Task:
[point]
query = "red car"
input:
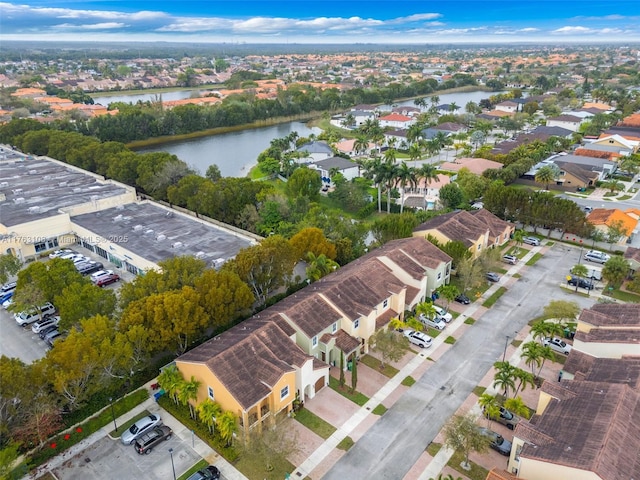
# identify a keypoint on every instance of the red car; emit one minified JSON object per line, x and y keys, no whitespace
{"x":107,"y":280}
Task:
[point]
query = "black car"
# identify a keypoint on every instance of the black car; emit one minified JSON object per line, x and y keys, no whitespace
{"x":146,"y":442}
{"x":462,"y":298}
{"x":580,"y":282}
{"x":497,"y":441}
{"x":46,"y":331}
{"x":209,"y":473}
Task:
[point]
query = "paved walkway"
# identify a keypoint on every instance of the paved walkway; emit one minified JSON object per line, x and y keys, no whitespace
{"x":306,"y":467}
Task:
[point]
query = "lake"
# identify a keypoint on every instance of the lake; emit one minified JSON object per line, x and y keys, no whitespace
{"x":236,"y":153}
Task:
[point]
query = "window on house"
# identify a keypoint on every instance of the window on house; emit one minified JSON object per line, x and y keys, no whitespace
{"x":356,"y":323}
{"x":334,"y":327}
{"x":385,"y":304}
{"x":314,"y":341}
{"x":210,"y":393}
{"x":284,"y":393}
{"x":479,"y":246}
{"x":439,"y":275}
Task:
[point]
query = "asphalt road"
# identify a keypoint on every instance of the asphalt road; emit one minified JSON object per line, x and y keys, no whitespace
{"x":395,"y":442}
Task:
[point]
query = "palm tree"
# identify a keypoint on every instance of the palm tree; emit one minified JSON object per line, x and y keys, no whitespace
{"x":440,"y":140}
{"x":319,"y":266}
{"x":227,"y":426}
{"x":581,"y":271}
{"x":518,"y":237}
{"x":405,"y":175}
{"x":428,"y":173}
{"x":504,"y":377}
{"x":547,"y":175}
{"x":361,"y":144}
{"x":189,"y":391}
{"x":208,"y":413}
{"x":427,"y":309}
{"x":435,"y":99}
{"x":490,"y":407}
{"x":414,"y":153}
{"x":414,"y":132}
{"x":389,"y":175}
{"x":517,"y":406}
{"x":374,"y":172}
{"x":453,"y":107}
{"x":170,"y":379}
{"x":613,"y":185}
{"x":523,"y":378}
{"x":532,"y":355}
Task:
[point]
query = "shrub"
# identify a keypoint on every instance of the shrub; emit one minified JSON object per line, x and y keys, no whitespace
{"x":183,"y":415}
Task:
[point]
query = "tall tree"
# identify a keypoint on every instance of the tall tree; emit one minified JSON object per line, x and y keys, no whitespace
{"x":462,"y":434}
{"x":208,"y":413}
{"x":9,"y":265}
{"x":547,"y":175}
{"x":391,"y":346}
{"x":615,"y":270}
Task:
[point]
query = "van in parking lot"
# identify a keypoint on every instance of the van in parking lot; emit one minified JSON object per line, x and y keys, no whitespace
{"x":597,"y":257}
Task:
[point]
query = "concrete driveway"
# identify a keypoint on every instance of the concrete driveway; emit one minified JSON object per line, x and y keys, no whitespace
{"x":396,"y":441}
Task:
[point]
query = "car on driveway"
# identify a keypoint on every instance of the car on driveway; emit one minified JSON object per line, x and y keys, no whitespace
{"x":493,"y":277}
{"x":145,"y":443}
{"x":580,"y":282}
{"x":209,"y":473}
{"x":417,"y":338}
{"x":436,"y":322}
{"x":506,"y":418}
{"x":462,"y":298}
{"x":140,"y":427}
{"x":557,"y":345}
{"x":531,"y":241}
{"x":510,"y":259}
{"x":443,"y":314}
{"x":497,"y":441}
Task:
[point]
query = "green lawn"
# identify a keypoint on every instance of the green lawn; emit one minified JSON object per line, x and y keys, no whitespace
{"x":314,"y":423}
{"x":475,"y":473}
{"x":470,"y":321}
{"x":408,"y":381}
{"x":345,"y":444}
{"x":253,"y":466}
{"x":433,"y":448}
{"x":126,"y":425}
{"x":374,"y":363}
{"x":622,"y":295}
{"x":479,"y":390}
{"x":534,"y":259}
{"x":379,"y":410}
{"x":198,"y":466}
{"x":450,"y":340}
{"x":489,"y":302}
{"x":356,"y":397}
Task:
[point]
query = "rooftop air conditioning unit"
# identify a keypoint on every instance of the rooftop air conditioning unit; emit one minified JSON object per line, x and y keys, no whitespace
{"x":161,"y":237}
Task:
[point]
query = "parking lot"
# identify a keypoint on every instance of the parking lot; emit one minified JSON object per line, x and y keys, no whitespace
{"x":21,"y":342}
{"x":108,"y":459}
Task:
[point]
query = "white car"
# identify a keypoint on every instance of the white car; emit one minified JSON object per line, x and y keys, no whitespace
{"x":418,"y":338}
{"x":557,"y":345}
{"x":45,"y":323}
{"x":59,"y":253}
{"x":436,"y":322}
{"x":443,"y":314}
{"x":29,"y":316}
{"x":99,"y":274}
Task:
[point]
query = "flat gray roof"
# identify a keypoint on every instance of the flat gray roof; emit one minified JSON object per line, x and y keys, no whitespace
{"x":37,"y":188}
{"x":157,"y":233}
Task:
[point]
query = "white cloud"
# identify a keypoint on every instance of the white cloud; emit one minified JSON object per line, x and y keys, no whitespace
{"x":94,"y":26}
{"x":529,"y":30}
{"x":572,"y":30}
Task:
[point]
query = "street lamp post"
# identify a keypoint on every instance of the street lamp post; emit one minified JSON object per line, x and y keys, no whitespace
{"x":173,"y":467}
{"x":113,"y":415}
{"x":506,"y":342}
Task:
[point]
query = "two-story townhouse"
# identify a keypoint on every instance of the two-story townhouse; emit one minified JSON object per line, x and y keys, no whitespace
{"x":254,"y":370}
{"x":314,"y":152}
{"x":568,"y":121}
{"x":395,"y":120}
{"x":477,"y":231}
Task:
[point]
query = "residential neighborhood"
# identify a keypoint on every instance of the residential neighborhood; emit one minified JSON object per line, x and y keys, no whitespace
{"x":412,"y":287}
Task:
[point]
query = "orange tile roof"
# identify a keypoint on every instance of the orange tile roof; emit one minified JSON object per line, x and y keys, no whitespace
{"x":24,"y":92}
{"x":604,"y":216}
{"x":395,"y":117}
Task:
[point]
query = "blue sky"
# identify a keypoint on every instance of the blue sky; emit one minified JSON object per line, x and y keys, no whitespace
{"x":324,"y":21}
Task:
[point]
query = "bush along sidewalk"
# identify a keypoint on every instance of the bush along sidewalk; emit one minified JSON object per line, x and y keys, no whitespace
{"x":183,"y":415}
{"x":74,"y":435}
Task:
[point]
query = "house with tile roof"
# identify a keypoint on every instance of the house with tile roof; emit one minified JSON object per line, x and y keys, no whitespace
{"x":568,"y":121}
{"x":254,"y":370}
{"x":257,"y":368}
{"x":604,"y":219}
{"x":396,"y":120}
{"x":477,"y":230}
{"x":587,"y":426}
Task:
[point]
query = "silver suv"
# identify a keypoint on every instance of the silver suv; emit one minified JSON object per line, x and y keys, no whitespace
{"x":597,"y":257}
{"x":531,"y":241}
